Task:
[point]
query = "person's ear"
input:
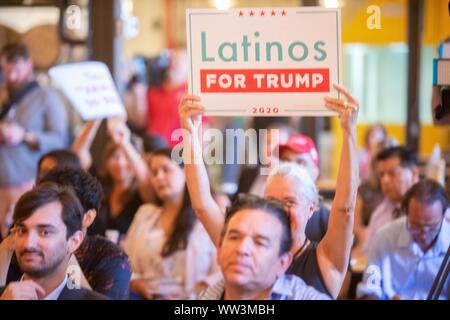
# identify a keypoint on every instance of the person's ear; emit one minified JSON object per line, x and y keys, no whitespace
{"x":295,"y":224}
{"x":285,"y":261}
{"x":89,"y":218}
{"x":311,"y":209}
{"x":75,"y":241}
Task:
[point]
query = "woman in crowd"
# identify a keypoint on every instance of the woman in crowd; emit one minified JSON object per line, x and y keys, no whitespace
{"x":375,"y":137}
{"x":171,"y":254}
{"x":123,"y":173}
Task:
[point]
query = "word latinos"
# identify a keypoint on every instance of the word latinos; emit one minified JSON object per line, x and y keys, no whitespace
{"x":268,"y":51}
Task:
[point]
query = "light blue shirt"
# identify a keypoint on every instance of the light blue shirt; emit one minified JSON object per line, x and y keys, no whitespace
{"x":286,"y":287}
{"x":398,"y":266}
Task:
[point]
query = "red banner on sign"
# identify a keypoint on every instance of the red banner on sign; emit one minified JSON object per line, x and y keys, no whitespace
{"x":264,"y":80}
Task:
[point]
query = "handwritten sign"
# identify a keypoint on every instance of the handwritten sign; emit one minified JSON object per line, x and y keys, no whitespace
{"x":264,"y":62}
{"x":89,"y":88}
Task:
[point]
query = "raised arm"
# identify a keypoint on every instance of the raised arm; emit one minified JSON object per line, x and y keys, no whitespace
{"x":121,"y":136}
{"x":203,"y":203}
{"x":333,"y":252}
{"x":83,"y":143}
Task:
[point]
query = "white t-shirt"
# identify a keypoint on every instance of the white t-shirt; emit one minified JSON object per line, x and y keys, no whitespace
{"x":179,"y":271}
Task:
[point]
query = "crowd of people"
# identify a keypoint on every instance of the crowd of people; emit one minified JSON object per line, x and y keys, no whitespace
{"x":138,"y":224}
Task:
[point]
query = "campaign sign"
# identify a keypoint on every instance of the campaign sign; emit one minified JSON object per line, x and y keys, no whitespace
{"x":265,"y":61}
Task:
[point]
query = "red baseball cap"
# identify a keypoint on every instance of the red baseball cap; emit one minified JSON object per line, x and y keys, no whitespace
{"x":300,"y":143}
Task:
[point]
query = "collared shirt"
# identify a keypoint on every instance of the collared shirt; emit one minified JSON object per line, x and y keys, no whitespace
{"x":54,"y":295}
{"x":398,"y":266}
{"x":287,"y":287}
{"x":381,"y":216}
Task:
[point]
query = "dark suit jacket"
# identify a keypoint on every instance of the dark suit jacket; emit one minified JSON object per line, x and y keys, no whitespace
{"x":75,"y":294}
{"x":80,"y":294}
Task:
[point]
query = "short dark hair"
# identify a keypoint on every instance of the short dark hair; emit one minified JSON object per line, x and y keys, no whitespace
{"x":15,"y":51}
{"x":87,"y":188}
{"x":407,"y":158}
{"x":45,"y":193}
{"x":63,"y":157}
{"x":426,"y":192}
{"x":272,"y":207}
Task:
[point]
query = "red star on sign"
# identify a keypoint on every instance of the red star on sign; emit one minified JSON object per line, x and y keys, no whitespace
{"x":263,"y":13}
{"x":273,"y":13}
{"x":251,"y":13}
{"x":283,"y":13}
{"x":241,"y":13}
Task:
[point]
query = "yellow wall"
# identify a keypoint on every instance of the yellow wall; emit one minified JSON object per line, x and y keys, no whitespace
{"x":394,"y":21}
{"x":394,"y":29}
{"x":150,"y":40}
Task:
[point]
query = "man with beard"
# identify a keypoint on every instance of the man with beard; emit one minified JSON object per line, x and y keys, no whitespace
{"x":47,"y":230}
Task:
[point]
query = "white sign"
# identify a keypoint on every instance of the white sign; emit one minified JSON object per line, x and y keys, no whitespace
{"x":89,"y":88}
{"x":265,"y":61}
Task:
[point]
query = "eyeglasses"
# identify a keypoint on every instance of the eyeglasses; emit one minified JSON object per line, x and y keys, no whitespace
{"x":287,"y":203}
{"x":429,"y":229}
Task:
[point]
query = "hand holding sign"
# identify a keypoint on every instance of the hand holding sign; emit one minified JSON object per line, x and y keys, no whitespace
{"x":347,"y":109}
{"x":190,"y":111}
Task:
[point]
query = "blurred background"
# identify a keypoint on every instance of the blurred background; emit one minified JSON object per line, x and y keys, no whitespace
{"x":388,"y":62}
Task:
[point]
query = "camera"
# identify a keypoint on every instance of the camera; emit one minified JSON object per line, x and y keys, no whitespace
{"x":441,"y":85}
{"x":440,"y":102}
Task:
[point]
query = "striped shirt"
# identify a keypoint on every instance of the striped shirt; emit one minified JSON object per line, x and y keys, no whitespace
{"x":287,"y":287}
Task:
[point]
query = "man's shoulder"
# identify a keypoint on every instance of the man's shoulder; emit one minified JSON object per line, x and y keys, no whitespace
{"x":292,"y":287}
{"x":388,"y":236}
{"x":75,"y":294}
{"x":103,"y":251}
{"x":384,"y":206}
{"x":80,"y":294}
{"x":213,"y":292}
{"x":46,"y":96}
{"x":41,"y":90}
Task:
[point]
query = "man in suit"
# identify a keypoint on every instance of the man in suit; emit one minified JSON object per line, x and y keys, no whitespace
{"x":47,"y":230}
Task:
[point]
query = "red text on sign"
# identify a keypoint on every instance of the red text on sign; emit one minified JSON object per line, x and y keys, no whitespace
{"x":264,"y":80}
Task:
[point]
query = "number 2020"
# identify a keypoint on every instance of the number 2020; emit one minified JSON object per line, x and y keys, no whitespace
{"x":265,"y":110}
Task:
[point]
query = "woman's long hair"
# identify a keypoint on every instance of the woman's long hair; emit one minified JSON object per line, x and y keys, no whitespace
{"x":185,"y":220}
{"x":106,"y":179}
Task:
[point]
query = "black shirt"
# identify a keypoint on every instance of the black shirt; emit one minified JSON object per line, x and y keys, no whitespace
{"x":317,"y":225}
{"x":306,"y":267}
{"x":120,"y":222}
